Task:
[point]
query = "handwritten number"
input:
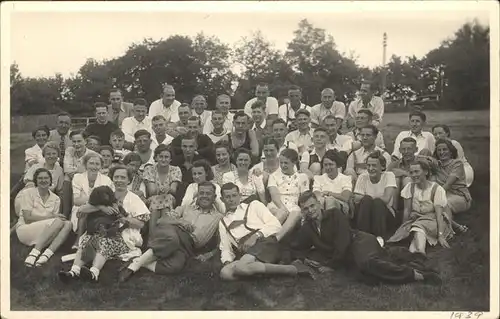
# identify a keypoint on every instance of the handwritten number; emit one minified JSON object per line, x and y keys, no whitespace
{"x":467,"y":315}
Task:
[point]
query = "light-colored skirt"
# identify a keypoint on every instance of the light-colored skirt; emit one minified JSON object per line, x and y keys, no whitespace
{"x":29,"y":233}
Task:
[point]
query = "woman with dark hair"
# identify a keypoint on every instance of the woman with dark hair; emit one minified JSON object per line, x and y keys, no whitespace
{"x":202,"y":172}
{"x":374,"y":194}
{"x":450,"y":174}
{"x":271,"y":162}
{"x":251,"y":186}
{"x":34,"y":154}
{"x":425,"y":216}
{"x":162,"y":181}
{"x":40,"y":222}
{"x":333,"y":189}
{"x":223,"y":158}
{"x":137,"y":186}
{"x":442,"y":131}
{"x":285,"y":186}
{"x":124,"y":244}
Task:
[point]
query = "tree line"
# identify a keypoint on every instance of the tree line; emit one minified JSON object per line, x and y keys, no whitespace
{"x":457,"y":71}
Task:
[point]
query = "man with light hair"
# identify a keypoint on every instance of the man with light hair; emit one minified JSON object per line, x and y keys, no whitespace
{"x":166,"y":106}
{"x":139,"y":121}
{"x":117,"y":109}
{"x":222,"y":104}
{"x":366,"y":100}
{"x":199,"y":109}
{"x":262,"y":94}
{"x":328,"y":106}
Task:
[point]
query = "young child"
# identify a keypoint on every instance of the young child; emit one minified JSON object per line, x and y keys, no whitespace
{"x":117,"y":141}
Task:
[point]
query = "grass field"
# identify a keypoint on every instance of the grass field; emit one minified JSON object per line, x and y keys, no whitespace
{"x":464,"y":267}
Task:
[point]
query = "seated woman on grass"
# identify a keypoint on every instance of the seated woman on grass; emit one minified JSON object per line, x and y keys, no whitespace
{"x":442,"y":131}
{"x":34,"y":155}
{"x":373,"y":196}
{"x":285,"y":186}
{"x":40,"y":223}
{"x":51,"y":154}
{"x":425,"y":216}
{"x":223,"y":158}
{"x":100,"y":247}
{"x":333,"y":189}
{"x":202,"y":172}
{"x":450,"y":174}
{"x":83,"y":184}
{"x":250,"y":185}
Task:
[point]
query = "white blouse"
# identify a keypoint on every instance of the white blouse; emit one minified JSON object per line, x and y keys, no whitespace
{"x":422,"y":201}
{"x":323,"y":183}
{"x":289,"y":185}
{"x":253,"y":186}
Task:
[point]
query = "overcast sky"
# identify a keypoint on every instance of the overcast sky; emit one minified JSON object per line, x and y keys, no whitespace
{"x":43,"y":43}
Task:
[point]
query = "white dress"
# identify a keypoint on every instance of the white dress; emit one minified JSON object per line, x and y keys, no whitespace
{"x":81,"y":187}
{"x":290,"y":187}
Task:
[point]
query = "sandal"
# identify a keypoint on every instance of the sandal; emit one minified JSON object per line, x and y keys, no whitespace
{"x":41,"y":261}
{"x":30,"y":260}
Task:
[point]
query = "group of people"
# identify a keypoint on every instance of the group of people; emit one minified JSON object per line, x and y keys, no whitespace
{"x":278,"y":190}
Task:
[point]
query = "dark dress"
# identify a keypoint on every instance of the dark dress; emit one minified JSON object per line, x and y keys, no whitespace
{"x":336,"y":245}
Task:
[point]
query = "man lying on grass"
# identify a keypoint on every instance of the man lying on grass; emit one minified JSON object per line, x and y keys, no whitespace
{"x":326,"y":241}
{"x":178,"y":236}
{"x":249,"y":235}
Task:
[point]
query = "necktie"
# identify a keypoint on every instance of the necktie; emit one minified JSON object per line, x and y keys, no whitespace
{"x":62,"y":147}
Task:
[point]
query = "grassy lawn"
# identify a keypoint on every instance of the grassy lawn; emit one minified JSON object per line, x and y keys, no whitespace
{"x":464,"y":267}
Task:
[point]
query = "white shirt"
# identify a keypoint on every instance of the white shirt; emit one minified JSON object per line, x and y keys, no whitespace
{"x":323,"y":183}
{"x":170,"y":113}
{"x":357,"y":160}
{"x":154,"y":142}
{"x":271,"y":106}
{"x":228,"y":124}
{"x":191,"y":195}
{"x":422,"y":201}
{"x":205,"y":117}
{"x":303,"y":141}
{"x":252,"y":187}
{"x":130,"y":125}
{"x":216,"y":138}
{"x":134,"y":206}
{"x":319,"y":112}
{"x":258,"y":217}
{"x":424,"y":140}
{"x":33,"y":155}
{"x":379,"y":140}
{"x":283,"y":114}
{"x":341,"y":143}
{"x":284,"y":147}
{"x":365,"y":187}
{"x":376,"y":106}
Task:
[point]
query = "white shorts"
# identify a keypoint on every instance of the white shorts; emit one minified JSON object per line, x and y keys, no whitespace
{"x":29,"y":233}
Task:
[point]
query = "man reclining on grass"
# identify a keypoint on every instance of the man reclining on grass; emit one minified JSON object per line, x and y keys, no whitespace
{"x":326,"y":241}
{"x":177,"y":237}
{"x":249,"y":235}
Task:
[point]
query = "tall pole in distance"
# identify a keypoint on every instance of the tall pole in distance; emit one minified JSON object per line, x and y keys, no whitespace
{"x":384,"y":70}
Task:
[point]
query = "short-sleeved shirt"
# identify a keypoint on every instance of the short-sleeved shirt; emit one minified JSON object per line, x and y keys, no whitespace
{"x":323,"y":183}
{"x":425,"y":140}
{"x":73,"y":163}
{"x":365,"y":187}
{"x":422,"y":201}
{"x":272,"y":106}
{"x":303,"y":141}
{"x":33,"y":202}
{"x":376,"y":106}
{"x":357,"y":160}
{"x":289,"y":185}
{"x":205,"y":224}
{"x":57,"y":176}
{"x":169,"y":113}
{"x":286,"y":112}
{"x":151,"y":175}
{"x":319,"y":112}
{"x":33,"y":155}
{"x":341,"y":143}
{"x":135,"y":207}
{"x":252,"y":187}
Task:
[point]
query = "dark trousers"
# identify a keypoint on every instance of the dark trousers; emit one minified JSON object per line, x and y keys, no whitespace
{"x":67,"y":199}
{"x":375,"y":264}
{"x":374,"y":217}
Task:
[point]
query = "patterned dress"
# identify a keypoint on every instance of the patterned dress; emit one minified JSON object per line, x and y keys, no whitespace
{"x":162,"y":201}
{"x":123,"y":245}
{"x":218,"y":172}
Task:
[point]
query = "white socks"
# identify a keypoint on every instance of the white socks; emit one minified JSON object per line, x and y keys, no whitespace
{"x":95,"y":272}
{"x":75,"y":269}
{"x":35,"y":252}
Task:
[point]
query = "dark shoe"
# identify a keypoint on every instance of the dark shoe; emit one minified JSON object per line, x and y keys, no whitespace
{"x":67,"y":276}
{"x":87,"y":275}
{"x":432,"y":278}
{"x":125,"y":275}
{"x":303,"y":270}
